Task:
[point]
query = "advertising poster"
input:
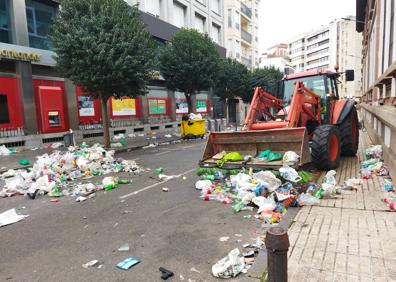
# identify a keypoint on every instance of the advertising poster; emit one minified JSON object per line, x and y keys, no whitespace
{"x":181,"y":107}
{"x":123,"y":107}
{"x":201,"y":106}
{"x":86,"y":106}
{"x":157,"y":107}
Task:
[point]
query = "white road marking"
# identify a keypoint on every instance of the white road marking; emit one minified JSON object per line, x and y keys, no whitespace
{"x":156,"y":184}
{"x":162,"y":153}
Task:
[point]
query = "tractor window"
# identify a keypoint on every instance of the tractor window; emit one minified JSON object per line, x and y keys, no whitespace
{"x":314,"y":83}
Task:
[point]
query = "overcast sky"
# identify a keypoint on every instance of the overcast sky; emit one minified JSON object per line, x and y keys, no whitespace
{"x":280,"y":20}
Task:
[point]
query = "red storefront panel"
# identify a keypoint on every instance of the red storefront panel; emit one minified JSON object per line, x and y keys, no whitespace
{"x":88,"y":113}
{"x":9,"y":96}
{"x":51,"y":106}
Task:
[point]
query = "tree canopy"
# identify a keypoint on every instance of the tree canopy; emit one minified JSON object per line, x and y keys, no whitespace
{"x":189,"y":63}
{"x":268,"y":78}
{"x":102,"y":46}
{"x":232,"y":80}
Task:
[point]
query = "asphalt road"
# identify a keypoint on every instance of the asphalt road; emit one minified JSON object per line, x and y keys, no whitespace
{"x":174,"y":229}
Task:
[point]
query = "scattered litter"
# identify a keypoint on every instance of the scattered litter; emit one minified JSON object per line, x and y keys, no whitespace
{"x":127,"y":263}
{"x":10,"y":216}
{"x":229,"y":266}
{"x":388,"y":186}
{"x":307,"y":200}
{"x":56,"y":145}
{"x":81,"y":199}
{"x":124,"y":248}
{"x":159,"y":170}
{"x":166,"y":177}
{"x":290,"y":157}
{"x":91,"y":263}
{"x":353,"y":183}
{"x":24,"y":162}
{"x":224,"y":239}
{"x":4,"y":151}
{"x":54,"y":200}
{"x":193,"y":269}
{"x":181,"y":277}
{"x":165,"y":189}
{"x":238,"y":235}
{"x":165,"y":273}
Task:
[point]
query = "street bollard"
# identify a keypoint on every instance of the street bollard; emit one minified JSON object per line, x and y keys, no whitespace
{"x":277,"y":244}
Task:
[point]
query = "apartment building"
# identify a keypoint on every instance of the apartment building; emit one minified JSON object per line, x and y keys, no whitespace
{"x":296,"y":47}
{"x":336,"y":45}
{"x":203,"y":15}
{"x":277,"y":56}
{"x":241,"y":31}
{"x":375,"y":20}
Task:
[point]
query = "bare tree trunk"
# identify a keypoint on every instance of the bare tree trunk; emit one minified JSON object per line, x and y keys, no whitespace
{"x":105,"y":121}
{"x":189,"y":103}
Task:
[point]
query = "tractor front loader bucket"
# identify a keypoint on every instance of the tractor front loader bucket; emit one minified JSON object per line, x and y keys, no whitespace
{"x":251,"y":143}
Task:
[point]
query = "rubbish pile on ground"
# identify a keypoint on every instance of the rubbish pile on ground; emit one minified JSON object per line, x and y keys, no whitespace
{"x":374,"y":165}
{"x":270,"y":191}
{"x":4,"y":151}
{"x":51,"y":173}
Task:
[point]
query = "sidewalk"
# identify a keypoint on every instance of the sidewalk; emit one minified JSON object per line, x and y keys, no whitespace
{"x":351,"y":238}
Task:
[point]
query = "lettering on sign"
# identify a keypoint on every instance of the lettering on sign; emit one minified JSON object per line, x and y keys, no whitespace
{"x":18,"y":55}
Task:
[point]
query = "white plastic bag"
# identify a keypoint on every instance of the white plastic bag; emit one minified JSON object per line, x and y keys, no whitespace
{"x":268,"y":179}
{"x":264,"y":204}
{"x":10,"y":217}
{"x":307,"y":200}
{"x":229,"y":266}
{"x":329,"y":178}
{"x":289,"y":173}
{"x":203,"y":184}
{"x":290,"y":157}
{"x":4,"y":151}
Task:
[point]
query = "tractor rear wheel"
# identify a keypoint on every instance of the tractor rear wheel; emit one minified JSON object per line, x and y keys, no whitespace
{"x":326,"y":147}
{"x":349,"y":133}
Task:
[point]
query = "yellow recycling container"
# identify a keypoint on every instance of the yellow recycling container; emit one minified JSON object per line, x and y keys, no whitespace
{"x":195,"y":127}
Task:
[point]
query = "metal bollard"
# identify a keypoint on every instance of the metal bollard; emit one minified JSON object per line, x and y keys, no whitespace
{"x":277,"y":244}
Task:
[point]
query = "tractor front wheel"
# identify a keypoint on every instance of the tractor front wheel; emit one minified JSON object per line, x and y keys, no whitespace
{"x":326,"y":147}
{"x":349,"y":133}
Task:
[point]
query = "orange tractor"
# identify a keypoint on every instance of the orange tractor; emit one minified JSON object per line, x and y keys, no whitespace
{"x":308,"y":118}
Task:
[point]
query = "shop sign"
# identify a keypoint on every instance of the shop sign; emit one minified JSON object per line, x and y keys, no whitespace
{"x":201,"y":106}
{"x":124,"y":107}
{"x":20,"y":55}
{"x":157,"y":106}
{"x":86,"y":106}
{"x":181,"y":107}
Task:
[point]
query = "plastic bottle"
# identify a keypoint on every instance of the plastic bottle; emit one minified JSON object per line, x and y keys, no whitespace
{"x":209,"y":197}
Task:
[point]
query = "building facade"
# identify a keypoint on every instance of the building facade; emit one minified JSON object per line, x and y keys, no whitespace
{"x":241,"y":31}
{"x":336,"y":45}
{"x":375,"y":20}
{"x":277,"y":57}
{"x":34,"y":98}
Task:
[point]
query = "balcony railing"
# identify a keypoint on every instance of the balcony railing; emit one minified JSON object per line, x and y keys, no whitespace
{"x":246,"y":10}
{"x":246,"y":61}
{"x":246,"y":36}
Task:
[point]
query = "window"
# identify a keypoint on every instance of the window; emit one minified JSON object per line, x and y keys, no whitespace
{"x":216,"y":6}
{"x":4,"y":114}
{"x":39,"y":20}
{"x":179,"y":15}
{"x":199,"y":23}
{"x":216,"y":33}
{"x":153,"y":7}
{"x":4,"y":22}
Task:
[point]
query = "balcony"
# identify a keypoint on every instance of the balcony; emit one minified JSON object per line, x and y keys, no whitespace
{"x":246,"y":36}
{"x":246,"y":61}
{"x":246,"y":10}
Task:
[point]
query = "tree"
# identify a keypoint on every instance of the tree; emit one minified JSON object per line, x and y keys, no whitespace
{"x":268,"y":78}
{"x":102,"y":46}
{"x":189,"y":63}
{"x":232,"y":80}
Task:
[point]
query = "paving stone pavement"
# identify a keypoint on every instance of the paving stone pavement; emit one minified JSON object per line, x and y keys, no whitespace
{"x":350,"y":238}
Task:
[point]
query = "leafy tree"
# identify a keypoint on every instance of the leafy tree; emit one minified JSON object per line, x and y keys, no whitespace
{"x":102,"y":46}
{"x":232,"y":79}
{"x":189,"y":63}
{"x":268,"y":78}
